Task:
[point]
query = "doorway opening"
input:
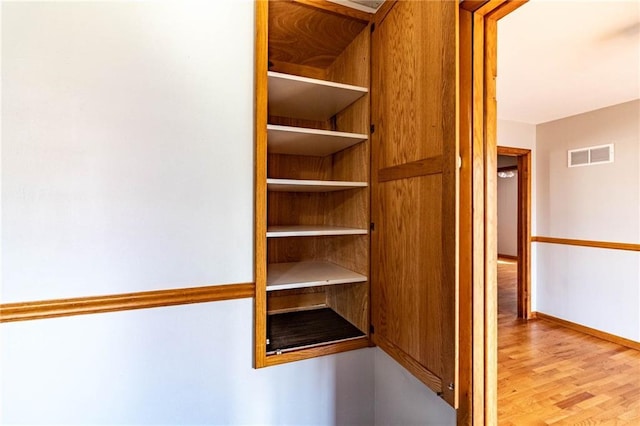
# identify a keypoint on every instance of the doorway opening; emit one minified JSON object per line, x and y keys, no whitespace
{"x":478,"y":243}
{"x":522,"y":170}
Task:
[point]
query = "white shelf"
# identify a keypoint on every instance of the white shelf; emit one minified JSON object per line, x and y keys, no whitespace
{"x":311,"y":231}
{"x":295,"y":185}
{"x":308,"y":98}
{"x":303,"y":141}
{"x":284,"y":276}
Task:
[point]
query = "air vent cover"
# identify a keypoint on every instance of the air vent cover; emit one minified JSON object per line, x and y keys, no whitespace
{"x":591,"y":155}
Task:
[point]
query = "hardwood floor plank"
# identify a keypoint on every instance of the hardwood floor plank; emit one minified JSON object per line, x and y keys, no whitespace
{"x":574,"y":400}
{"x":552,"y":375}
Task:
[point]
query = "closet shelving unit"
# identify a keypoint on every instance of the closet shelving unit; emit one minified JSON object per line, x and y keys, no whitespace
{"x":312,"y":231}
{"x":309,"y":98}
{"x":297,"y":185}
{"x":302,"y":141}
{"x":285,"y":276}
{"x":358,"y":227}
{"x":315,"y":290}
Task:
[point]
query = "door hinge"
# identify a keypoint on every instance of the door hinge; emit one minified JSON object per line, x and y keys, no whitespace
{"x":373,"y":27}
{"x":372,"y":226}
{"x":372,"y":128}
{"x":371,"y":329}
{"x":459,"y":162}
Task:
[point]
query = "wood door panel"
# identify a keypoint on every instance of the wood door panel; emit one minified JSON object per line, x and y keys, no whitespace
{"x":414,"y":243}
{"x":408,"y":249}
{"x":408,"y":75}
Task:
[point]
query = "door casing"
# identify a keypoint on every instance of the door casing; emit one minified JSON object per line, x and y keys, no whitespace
{"x":523,"y":157}
{"x":478,"y":339}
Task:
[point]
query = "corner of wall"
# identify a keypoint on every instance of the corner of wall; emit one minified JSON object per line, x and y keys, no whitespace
{"x":400,"y":398}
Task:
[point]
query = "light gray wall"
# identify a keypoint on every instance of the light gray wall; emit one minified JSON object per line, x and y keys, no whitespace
{"x":122,"y":163}
{"x":401,"y":399}
{"x":523,"y":135}
{"x":182,"y":365}
{"x":594,"y":287}
{"x":507,"y":209}
{"x":513,"y":134}
{"x":598,"y":202}
{"x":127,"y":165}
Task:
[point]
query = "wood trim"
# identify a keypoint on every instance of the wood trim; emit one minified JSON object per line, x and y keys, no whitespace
{"x":450,"y":221}
{"x":523,"y":167}
{"x":478,"y":172}
{"x":487,"y":7}
{"x":524,"y":235}
{"x":491,"y":222}
{"x":424,"y":375}
{"x":512,"y":152}
{"x":590,"y":331}
{"x":24,"y":311}
{"x":506,"y":8}
{"x":329,"y":349}
{"x":260,"y":182}
{"x":507,"y":257}
{"x":338,"y":9}
{"x":426,"y":166}
{"x":472,"y":5}
{"x":465,"y":269}
{"x":484,"y":172}
{"x":587,"y":243}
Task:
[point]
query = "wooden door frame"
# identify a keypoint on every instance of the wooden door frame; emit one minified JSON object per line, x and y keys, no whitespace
{"x":523,"y":157}
{"x":478,"y":325}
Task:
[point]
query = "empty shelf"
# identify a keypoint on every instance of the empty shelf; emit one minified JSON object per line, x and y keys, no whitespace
{"x":311,"y":231}
{"x":304,"y":329}
{"x":295,"y":185}
{"x":308,"y":98}
{"x":284,"y":276}
{"x":303,"y":141}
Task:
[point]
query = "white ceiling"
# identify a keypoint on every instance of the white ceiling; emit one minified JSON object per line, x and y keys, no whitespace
{"x":561,"y":58}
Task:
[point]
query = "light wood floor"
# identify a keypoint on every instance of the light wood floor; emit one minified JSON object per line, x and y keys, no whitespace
{"x":548,"y":374}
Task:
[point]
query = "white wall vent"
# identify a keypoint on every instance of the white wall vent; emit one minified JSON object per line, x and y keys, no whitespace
{"x":592,"y":155}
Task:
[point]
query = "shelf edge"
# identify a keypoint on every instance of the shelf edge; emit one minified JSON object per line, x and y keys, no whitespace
{"x":317,"y":82}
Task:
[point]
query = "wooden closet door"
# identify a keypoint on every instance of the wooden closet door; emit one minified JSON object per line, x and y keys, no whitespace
{"x":414,"y":190}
